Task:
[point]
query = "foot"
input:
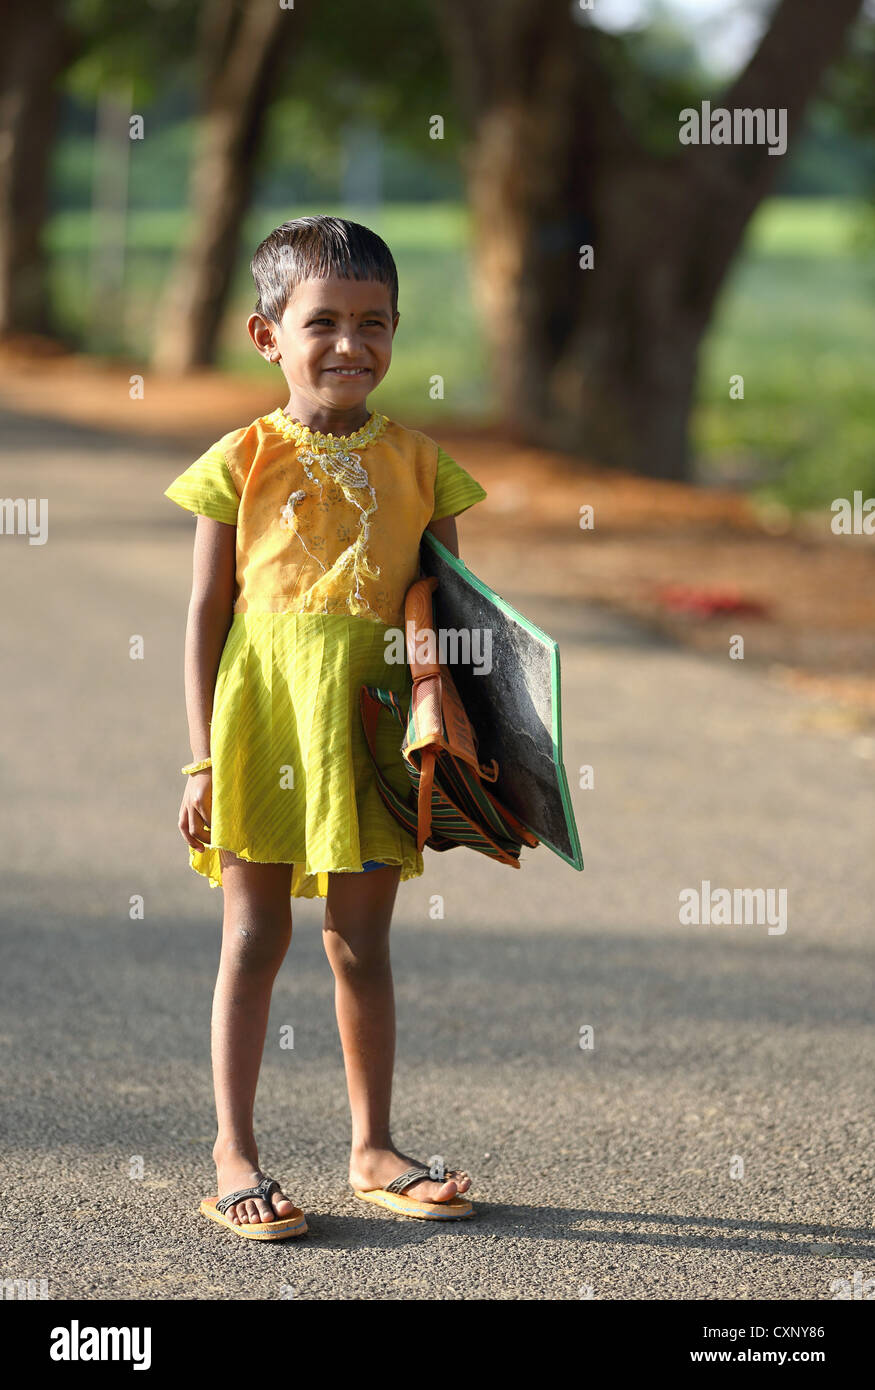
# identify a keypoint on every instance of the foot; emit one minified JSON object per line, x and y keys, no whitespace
{"x":370,"y":1168}
{"x":236,"y":1169}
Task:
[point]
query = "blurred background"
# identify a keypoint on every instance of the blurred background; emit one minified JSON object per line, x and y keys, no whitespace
{"x":702,"y":382}
{"x":147,"y":149}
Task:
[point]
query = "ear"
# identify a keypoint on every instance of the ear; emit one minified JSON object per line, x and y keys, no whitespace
{"x":263,"y":334}
{"x":395,"y":323}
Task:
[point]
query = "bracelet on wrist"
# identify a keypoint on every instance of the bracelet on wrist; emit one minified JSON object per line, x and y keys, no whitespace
{"x":197,"y":767}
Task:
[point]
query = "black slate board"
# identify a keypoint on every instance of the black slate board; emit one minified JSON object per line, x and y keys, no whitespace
{"x":515,"y":708}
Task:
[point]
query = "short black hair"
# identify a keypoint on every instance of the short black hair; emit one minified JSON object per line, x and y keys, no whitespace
{"x":315,"y":247}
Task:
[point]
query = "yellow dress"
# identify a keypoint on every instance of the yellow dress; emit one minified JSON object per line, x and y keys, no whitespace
{"x":327,"y":547}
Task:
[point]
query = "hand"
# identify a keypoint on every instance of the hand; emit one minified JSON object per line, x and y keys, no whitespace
{"x":196,"y":808}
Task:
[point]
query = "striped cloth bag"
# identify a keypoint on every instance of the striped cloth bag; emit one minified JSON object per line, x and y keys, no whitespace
{"x":448,"y":803}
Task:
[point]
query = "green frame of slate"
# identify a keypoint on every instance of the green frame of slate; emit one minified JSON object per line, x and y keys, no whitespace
{"x":576,"y":858}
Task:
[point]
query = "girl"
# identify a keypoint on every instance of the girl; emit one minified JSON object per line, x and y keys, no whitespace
{"x":309,"y":522}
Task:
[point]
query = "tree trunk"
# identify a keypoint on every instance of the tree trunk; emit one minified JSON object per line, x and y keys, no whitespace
{"x":242,"y":43}
{"x":35,"y":51}
{"x":604,"y":360}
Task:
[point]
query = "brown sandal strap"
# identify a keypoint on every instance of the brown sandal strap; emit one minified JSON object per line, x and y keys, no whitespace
{"x":406,"y":1180}
{"x":265,"y":1190}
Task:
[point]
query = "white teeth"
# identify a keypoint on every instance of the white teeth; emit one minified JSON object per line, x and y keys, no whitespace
{"x":347,"y":371}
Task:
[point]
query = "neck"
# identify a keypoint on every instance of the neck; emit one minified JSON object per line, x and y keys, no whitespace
{"x":327,"y":419}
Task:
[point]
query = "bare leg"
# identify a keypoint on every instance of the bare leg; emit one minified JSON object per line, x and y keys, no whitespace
{"x":256,"y":932}
{"x":358,"y":915}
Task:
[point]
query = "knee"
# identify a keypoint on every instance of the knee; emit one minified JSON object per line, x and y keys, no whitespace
{"x":257,"y":944}
{"x":358,"y":957}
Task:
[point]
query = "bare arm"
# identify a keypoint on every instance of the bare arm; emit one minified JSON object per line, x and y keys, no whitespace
{"x":445,"y":531}
{"x":210,"y":612}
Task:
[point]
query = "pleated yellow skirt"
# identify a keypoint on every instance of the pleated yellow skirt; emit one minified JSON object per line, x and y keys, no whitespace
{"x":293,"y":780}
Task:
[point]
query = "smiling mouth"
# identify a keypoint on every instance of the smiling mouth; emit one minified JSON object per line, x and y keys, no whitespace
{"x":348,"y":371}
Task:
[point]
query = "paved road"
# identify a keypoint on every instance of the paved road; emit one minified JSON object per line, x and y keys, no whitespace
{"x":606,"y":1170}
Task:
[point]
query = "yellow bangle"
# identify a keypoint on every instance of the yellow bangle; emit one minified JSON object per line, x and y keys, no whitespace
{"x":197,"y":767}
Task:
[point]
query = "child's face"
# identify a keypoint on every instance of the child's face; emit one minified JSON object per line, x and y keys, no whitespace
{"x":334,"y":342}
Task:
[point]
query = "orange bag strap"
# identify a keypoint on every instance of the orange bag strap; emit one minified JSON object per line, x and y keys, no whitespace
{"x":419,"y":617}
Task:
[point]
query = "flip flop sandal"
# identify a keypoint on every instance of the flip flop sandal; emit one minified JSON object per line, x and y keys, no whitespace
{"x":392,"y":1197}
{"x":278,"y":1229}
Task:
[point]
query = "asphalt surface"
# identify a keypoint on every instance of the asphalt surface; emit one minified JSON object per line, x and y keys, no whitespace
{"x":715,"y":1143}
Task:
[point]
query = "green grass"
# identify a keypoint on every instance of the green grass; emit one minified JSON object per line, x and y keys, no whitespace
{"x":794,"y":320}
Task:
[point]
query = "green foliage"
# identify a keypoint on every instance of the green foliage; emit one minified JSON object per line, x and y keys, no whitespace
{"x":120,"y":44}
{"x":382,"y":62}
{"x":794,"y":318}
{"x":342,"y":64}
{"x":795,"y":321}
{"x":655,"y":73}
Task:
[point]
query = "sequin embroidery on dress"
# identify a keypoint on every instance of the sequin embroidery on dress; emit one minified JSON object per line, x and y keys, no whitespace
{"x":338,"y":460}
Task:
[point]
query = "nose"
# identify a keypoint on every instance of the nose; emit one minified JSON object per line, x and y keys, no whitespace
{"x":347,"y":343}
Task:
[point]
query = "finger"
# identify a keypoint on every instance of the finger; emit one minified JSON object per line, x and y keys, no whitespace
{"x":186,"y":834}
{"x":190,"y":840}
{"x":187,"y":828}
{"x":191,"y":833}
